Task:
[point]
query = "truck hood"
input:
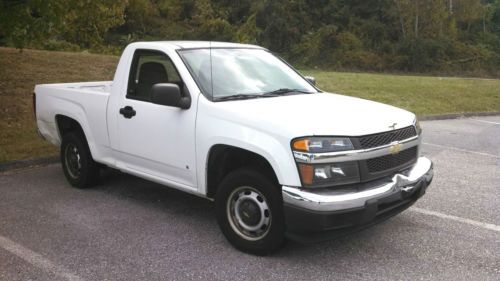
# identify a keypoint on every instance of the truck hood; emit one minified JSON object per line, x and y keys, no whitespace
{"x":322,"y":114}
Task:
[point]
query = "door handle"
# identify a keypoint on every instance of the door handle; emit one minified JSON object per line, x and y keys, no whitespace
{"x":127,"y":112}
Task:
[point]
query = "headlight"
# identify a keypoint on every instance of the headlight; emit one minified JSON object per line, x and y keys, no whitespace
{"x":330,"y":174}
{"x":322,"y":175}
{"x":318,"y":144}
{"x":417,"y":126}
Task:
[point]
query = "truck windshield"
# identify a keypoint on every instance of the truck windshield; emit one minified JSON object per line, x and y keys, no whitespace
{"x":231,"y":73}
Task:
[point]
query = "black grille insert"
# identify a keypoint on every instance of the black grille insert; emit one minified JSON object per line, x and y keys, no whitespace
{"x":388,"y":162}
{"x":387,"y":137}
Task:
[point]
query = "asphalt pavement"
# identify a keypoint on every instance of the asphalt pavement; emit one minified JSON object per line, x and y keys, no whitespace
{"x":131,"y":229}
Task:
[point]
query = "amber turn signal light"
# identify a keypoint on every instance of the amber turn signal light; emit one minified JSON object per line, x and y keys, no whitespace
{"x":302,"y":145}
{"x":306,"y":174}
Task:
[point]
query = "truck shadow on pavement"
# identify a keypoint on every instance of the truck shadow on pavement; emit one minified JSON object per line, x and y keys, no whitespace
{"x":197,"y":215}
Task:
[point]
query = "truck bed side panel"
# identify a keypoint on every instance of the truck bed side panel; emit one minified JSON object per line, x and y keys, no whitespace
{"x":86,"y":103}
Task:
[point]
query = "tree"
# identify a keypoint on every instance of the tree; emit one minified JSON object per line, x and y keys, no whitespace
{"x":86,"y":22}
{"x":402,"y":35}
{"x":25,"y":22}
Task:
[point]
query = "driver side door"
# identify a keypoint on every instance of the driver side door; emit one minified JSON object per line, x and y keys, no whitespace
{"x":155,"y":141}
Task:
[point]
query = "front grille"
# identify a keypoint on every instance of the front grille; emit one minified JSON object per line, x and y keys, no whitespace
{"x":388,"y":162}
{"x":387,"y":137}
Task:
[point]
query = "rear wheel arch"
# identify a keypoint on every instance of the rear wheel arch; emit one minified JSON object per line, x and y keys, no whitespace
{"x":67,"y":124}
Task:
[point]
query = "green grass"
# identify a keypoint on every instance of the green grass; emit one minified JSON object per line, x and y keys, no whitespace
{"x":420,"y":94}
{"x":19,"y":72}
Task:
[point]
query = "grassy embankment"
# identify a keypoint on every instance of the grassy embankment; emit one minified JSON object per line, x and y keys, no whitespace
{"x":423,"y":95}
{"x":19,"y":72}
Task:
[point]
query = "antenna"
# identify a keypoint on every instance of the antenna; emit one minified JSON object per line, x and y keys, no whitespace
{"x":211,"y":77}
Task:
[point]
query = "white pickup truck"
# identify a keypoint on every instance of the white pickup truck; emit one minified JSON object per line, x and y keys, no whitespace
{"x":236,"y":124}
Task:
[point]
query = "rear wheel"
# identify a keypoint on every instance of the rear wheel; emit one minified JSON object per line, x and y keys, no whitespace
{"x":80,"y":169}
{"x":250,"y":212}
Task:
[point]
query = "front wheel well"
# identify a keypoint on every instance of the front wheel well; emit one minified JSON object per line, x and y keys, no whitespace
{"x":224,"y":159}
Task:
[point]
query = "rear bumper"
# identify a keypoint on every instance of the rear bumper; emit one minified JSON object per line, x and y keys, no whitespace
{"x":315,"y":215}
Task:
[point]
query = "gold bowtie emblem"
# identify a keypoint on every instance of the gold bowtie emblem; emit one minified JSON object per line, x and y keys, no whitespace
{"x":395,"y":148}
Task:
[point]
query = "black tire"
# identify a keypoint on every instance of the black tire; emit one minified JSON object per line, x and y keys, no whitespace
{"x":235,"y":189}
{"x":80,"y":169}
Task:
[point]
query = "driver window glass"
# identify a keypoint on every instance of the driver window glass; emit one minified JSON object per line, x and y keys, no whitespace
{"x":150,"y":68}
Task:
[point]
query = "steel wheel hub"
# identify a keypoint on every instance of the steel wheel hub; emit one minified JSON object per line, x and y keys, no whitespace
{"x":248,"y":213}
{"x":73,"y":160}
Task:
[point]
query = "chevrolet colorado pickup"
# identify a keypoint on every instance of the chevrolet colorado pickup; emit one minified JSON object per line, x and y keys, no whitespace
{"x":235,"y":124}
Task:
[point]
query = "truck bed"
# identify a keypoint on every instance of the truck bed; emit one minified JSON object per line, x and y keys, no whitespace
{"x":85,"y":102}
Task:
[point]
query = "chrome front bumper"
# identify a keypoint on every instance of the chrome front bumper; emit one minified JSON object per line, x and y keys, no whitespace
{"x":356,"y":196}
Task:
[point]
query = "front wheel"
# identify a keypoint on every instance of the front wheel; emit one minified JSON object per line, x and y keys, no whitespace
{"x":250,"y":212}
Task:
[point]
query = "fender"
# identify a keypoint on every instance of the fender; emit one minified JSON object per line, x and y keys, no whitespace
{"x":268,"y":146}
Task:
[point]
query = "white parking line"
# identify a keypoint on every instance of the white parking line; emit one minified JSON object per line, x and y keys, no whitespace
{"x":489,"y":122}
{"x":36,"y":259}
{"x":462,"y":150}
{"x":484,"y":225}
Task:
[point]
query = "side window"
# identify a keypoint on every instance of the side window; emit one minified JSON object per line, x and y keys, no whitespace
{"x":149,"y":68}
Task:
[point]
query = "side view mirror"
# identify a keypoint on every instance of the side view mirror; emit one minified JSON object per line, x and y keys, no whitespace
{"x":170,"y":95}
{"x":311,"y":80}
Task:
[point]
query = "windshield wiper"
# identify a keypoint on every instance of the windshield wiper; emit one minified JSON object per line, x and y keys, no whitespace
{"x":275,"y":93}
{"x":237,"y":97}
{"x":285,"y":91}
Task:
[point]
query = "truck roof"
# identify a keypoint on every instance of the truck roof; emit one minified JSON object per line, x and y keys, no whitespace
{"x":200,"y":44}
